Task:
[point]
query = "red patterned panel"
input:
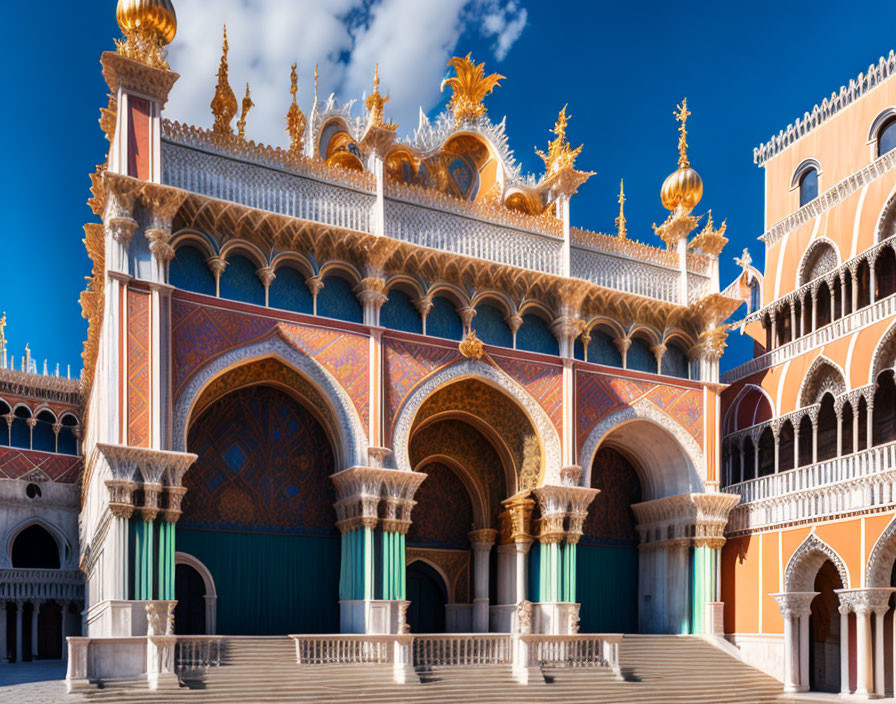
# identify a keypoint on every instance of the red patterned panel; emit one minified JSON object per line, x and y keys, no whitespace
{"x":406,"y":364}
{"x":544,"y":382}
{"x":139,"y":372}
{"x":39,"y":466}
{"x":684,"y":405}
{"x":597,"y":396}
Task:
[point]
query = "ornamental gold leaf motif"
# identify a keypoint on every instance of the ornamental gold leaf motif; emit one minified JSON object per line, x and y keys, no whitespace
{"x":469,"y":87}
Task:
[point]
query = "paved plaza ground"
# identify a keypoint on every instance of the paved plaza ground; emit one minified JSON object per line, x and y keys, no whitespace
{"x":40,"y":682}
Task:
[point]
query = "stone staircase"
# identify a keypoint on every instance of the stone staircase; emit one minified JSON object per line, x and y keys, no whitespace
{"x":656,"y":669}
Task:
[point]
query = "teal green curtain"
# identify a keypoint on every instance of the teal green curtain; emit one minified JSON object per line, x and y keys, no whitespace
{"x":270,"y":584}
{"x":607,"y":587}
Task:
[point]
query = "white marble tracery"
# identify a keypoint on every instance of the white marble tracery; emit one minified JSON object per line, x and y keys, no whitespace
{"x":807,"y":559}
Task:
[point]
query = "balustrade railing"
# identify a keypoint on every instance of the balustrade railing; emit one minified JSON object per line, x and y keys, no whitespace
{"x":853,"y":482}
{"x":578,"y":650}
{"x":347,"y":648}
{"x":198,"y":652}
{"x":59,"y":585}
{"x":884,"y":308}
{"x":623,"y":274}
{"x":462,"y":649}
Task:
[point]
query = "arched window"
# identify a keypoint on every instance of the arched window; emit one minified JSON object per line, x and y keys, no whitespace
{"x":846,"y":429}
{"x":675,"y":362}
{"x":808,"y":186}
{"x":337,"y":300}
{"x":884,"y":412}
{"x":288,"y":291}
{"x":755,"y":293}
{"x":601,"y":349}
{"x":20,"y":433}
{"x":805,"y":441}
{"x":823,"y":306}
{"x":491,"y":327}
{"x":863,"y":279}
{"x":239,"y":282}
{"x":749,"y":459}
{"x":885,"y":273}
{"x":535,"y":335}
{"x":766,"y":452}
{"x":399,"y":313}
{"x":886,"y":137}
{"x":35,"y":548}
{"x":444,"y":320}
{"x":42,"y":436}
{"x":4,"y":426}
{"x":639,"y":357}
{"x":785,"y":446}
{"x":189,"y":271}
{"x":67,"y":442}
{"x":827,"y":429}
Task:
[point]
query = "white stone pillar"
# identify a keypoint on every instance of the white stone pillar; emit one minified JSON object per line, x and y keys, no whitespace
{"x":522,"y":549}
{"x":844,"y":648}
{"x":804,"y":650}
{"x":879,"y":679}
{"x":843,"y":305}
{"x":791,"y":683}
{"x":853,"y":271}
{"x":481,"y":542}
{"x":855,"y":430}
{"x":814,"y":310}
{"x":863,"y":650}
{"x":795,"y":610}
{"x":869,"y":426}
{"x":35,"y":609}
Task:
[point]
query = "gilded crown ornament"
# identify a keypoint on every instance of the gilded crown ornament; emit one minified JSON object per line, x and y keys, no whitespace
{"x":148,"y":26}
{"x":471,"y":347}
{"x":224,"y":105}
{"x":560,"y":154}
{"x":247,"y":106}
{"x":469,"y":87}
{"x":375,"y":103}
{"x":295,"y":118}
{"x":684,"y":187}
{"x":621,"y":230}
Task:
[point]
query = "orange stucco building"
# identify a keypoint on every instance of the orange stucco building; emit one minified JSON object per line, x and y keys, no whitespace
{"x":808,"y":424}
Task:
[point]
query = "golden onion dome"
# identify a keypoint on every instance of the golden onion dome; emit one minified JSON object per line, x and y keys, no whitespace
{"x":683,"y":187}
{"x":155,"y":17}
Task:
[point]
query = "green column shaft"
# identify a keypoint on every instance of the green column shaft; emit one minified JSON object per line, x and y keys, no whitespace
{"x":387,"y":576}
{"x":550,"y":572}
{"x":166,"y":561}
{"x":143,"y":562}
{"x":703,"y":585}
{"x":342,"y":566}
{"x":402,"y":575}
{"x":568,"y":589}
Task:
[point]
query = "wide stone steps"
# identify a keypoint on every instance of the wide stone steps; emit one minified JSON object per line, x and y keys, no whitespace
{"x":656,"y":670}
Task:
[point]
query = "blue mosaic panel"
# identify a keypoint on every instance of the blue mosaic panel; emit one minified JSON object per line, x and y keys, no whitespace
{"x":289,"y":292}
{"x":675,"y":362}
{"x":443,"y":320}
{"x":535,"y":335}
{"x":188,"y":271}
{"x":239,"y":282}
{"x":639,"y":357}
{"x":337,"y":300}
{"x":399,"y":313}
{"x":491,"y":327}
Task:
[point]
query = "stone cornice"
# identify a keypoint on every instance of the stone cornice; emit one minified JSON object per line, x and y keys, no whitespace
{"x":49,"y":388}
{"x":857,"y":88}
{"x":698,"y":517}
{"x":122,"y":72}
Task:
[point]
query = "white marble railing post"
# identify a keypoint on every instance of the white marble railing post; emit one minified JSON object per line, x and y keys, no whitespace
{"x":844,"y":648}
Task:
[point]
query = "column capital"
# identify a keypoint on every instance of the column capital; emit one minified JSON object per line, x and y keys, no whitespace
{"x":519,"y":509}
{"x":483,"y":538}
{"x":862,"y":601}
{"x":794,"y":603}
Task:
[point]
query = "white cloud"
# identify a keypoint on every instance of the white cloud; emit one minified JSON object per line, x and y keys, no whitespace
{"x":410,"y":39}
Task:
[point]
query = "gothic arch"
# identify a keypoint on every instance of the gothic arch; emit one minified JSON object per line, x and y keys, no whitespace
{"x":351,"y":448}
{"x":886,"y":221}
{"x":62,"y":543}
{"x":821,"y":257}
{"x":478,"y":497}
{"x":486,"y":373}
{"x":731,"y":413}
{"x":824,"y":376}
{"x":807,"y":559}
{"x":884,"y":354}
{"x":671,"y":458}
{"x":881,"y":558}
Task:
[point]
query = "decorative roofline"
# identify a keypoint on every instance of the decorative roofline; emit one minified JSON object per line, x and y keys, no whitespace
{"x":52,"y":388}
{"x":857,"y":88}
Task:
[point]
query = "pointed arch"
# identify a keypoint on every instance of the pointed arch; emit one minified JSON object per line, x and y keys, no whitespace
{"x":486,"y":373}
{"x":807,"y":559}
{"x":670,"y":457}
{"x":821,"y":256}
{"x":824,"y":376}
{"x":351,"y":445}
{"x":880,"y":561}
{"x":730,"y":423}
{"x":478,"y":497}
{"x":63,"y":545}
{"x":884,"y":354}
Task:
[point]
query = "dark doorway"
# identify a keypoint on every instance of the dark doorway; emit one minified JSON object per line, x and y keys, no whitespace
{"x":49,"y":632}
{"x":427,"y":593}
{"x":824,"y":630}
{"x":35,"y":548}
{"x":189,"y":590}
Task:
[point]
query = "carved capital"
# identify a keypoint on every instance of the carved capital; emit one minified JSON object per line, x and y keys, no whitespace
{"x":482,"y":539}
{"x":266,"y":275}
{"x":520,"y":510}
{"x":424,"y":305}
{"x":217,"y":265}
{"x":121,"y":229}
{"x":160,"y":243}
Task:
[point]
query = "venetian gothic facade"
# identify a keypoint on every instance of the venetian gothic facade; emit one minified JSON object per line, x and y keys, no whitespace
{"x":808,"y":424}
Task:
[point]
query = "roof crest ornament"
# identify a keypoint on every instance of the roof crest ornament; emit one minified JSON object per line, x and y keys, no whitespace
{"x":295,"y":118}
{"x":469,"y":87}
{"x":621,"y":230}
{"x":247,"y":106}
{"x":560,"y":154}
{"x":224,"y":105}
{"x":375,"y":104}
{"x":681,"y":115}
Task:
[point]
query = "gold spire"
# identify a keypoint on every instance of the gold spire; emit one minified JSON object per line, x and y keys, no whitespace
{"x":469,"y":87}
{"x":247,"y":106}
{"x":224,"y":105}
{"x":560,"y":155}
{"x":376,"y":102}
{"x":3,"y":327}
{"x":315,"y":83}
{"x":621,"y":230}
{"x":148,"y":26}
{"x":295,"y":118}
{"x":681,"y":114}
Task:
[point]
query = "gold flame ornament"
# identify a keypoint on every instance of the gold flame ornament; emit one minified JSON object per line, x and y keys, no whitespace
{"x":247,"y":106}
{"x":560,"y":155}
{"x":295,"y":118}
{"x":469,"y":87}
{"x":376,"y":102}
{"x":621,"y":230}
{"x":684,"y":187}
{"x":148,"y":26}
{"x":224,"y":105}
{"x":471,"y":347}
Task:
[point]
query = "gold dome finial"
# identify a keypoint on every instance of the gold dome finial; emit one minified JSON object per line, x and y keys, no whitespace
{"x":621,"y":230}
{"x":295,"y":118}
{"x":684,"y":187}
{"x":148,"y":26}
{"x":224,"y":105}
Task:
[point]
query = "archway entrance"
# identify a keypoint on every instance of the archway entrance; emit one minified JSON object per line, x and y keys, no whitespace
{"x":189,"y":590}
{"x":427,"y":592}
{"x":824,"y":631}
{"x":258,"y":511}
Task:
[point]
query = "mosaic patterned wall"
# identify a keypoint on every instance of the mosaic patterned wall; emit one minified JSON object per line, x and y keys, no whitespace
{"x":542,"y":381}
{"x":597,"y":396}
{"x":39,"y":466}
{"x":444,"y":513}
{"x":467,"y":446}
{"x":406,"y":364}
{"x":610,"y":519}
{"x":264,"y":465}
{"x":201,"y":333}
{"x":139,"y":372}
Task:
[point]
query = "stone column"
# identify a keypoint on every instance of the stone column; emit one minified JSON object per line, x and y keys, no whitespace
{"x":4,"y":651}
{"x":869,"y":425}
{"x":838,"y":411}
{"x":795,"y":610}
{"x":370,"y":293}
{"x":843,"y":306}
{"x":520,"y":508}
{"x":863,"y":650}
{"x":832,"y":288}
{"x":844,"y":648}
{"x":481,"y":542}
{"x":855,"y":424}
{"x":854,"y":274}
{"x":804,"y":649}
{"x":796,"y":443}
{"x":774,"y":323}
{"x":791,"y":681}
{"x":879,"y":678}
{"x":793,"y":330}
{"x":814,"y":295}
{"x":266,"y":275}
{"x":814,"y":418}
{"x":872,"y":283}
{"x":35,"y":610}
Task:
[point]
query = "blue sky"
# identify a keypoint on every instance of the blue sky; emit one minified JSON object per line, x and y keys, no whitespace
{"x":748,"y":69}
